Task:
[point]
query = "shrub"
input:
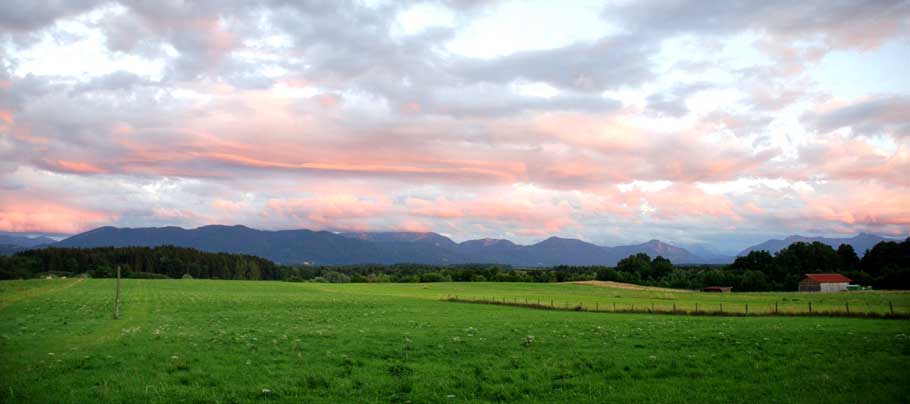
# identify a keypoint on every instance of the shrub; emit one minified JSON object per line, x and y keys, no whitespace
{"x":145,"y":275}
{"x":336,"y":277}
{"x":187,"y":276}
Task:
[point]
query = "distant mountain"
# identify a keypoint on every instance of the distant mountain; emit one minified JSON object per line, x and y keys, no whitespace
{"x":708,"y":254}
{"x":434,"y":239}
{"x":321,"y":247}
{"x":656,"y":247}
{"x":860,"y":243}
{"x":23,"y":241}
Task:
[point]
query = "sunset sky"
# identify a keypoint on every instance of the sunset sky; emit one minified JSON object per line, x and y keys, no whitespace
{"x":694,"y":122}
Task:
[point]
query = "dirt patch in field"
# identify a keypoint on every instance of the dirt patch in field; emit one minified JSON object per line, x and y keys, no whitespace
{"x":628,"y":286}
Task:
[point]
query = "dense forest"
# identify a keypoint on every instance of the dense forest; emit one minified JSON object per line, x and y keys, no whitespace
{"x":885,"y":266}
{"x":137,"y":262}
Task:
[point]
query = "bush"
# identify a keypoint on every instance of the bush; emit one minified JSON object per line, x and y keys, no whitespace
{"x":144,"y":275}
{"x":187,"y":276}
{"x":336,"y":277}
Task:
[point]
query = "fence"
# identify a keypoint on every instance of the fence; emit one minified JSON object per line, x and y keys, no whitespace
{"x":692,"y":309}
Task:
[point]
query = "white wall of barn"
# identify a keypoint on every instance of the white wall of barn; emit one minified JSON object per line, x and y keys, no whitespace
{"x":834,"y":287}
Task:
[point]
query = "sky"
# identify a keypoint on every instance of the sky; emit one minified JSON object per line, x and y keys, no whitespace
{"x":718,"y":124}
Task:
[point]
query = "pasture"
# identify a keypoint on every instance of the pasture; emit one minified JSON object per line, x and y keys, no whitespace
{"x":237,"y":342}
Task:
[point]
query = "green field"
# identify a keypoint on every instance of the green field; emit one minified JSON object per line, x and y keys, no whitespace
{"x":235,"y":341}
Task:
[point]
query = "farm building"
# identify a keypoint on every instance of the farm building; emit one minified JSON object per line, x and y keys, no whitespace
{"x":717,"y":289}
{"x":823,"y":283}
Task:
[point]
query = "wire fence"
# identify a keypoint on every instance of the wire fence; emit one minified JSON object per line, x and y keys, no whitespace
{"x":825,"y":309}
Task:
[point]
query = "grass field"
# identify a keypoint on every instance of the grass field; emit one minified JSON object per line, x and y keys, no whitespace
{"x":234,"y":341}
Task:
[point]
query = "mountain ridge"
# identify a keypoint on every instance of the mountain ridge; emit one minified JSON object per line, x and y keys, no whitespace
{"x":305,"y":246}
{"x":860,"y":242}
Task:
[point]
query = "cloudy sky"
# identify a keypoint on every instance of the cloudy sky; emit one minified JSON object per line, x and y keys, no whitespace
{"x":693,"y":122}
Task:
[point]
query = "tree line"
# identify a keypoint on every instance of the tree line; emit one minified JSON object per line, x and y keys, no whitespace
{"x":885,"y":266}
{"x":137,"y":262}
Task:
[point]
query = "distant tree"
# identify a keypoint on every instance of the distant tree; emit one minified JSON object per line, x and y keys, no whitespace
{"x":336,"y":277}
{"x":802,"y":258}
{"x":638,"y":263}
{"x":660,"y":268}
{"x":847,"y":258}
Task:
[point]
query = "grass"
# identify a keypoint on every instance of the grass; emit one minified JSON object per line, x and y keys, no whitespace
{"x":587,"y":296}
{"x":234,"y":341}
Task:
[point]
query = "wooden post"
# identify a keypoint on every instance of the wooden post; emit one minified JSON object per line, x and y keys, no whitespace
{"x":810,"y":307}
{"x":696,"y":307}
{"x":674,"y":307}
{"x":614,"y":306}
{"x":747,"y":309}
{"x":596,"y":306}
{"x":891,"y":305}
{"x":847,"y":306}
{"x":775,"y":307}
{"x":652,"y":307}
{"x":117,"y":296}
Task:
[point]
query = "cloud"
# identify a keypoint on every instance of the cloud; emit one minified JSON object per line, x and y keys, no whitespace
{"x":18,"y":214}
{"x":329,"y":115}
{"x":871,"y":117}
{"x":30,"y":15}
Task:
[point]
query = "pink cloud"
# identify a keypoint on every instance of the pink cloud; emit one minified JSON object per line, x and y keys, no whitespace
{"x":20,"y":214}
{"x":330,"y":211}
{"x":860,"y":203}
{"x":75,"y":167}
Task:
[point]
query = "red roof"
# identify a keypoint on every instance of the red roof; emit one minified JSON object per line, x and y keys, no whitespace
{"x":828,"y":278}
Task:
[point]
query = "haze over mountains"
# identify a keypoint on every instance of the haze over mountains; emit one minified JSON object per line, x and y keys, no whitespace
{"x":328,"y":248}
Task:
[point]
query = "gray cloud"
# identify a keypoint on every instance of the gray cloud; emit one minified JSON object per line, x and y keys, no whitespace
{"x":26,"y":15}
{"x":877,"y":116}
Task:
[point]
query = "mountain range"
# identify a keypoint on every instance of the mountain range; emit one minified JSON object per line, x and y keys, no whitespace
{"x":23,"y":241}
{"x":861,"y":242}
{"x":328,"y":248}
{"x":322,"y":247}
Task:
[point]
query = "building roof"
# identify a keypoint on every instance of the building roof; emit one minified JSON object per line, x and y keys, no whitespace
{"x":828,"y":278}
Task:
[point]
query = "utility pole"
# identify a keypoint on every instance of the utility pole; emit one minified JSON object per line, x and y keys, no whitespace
{"x":117,"y":297}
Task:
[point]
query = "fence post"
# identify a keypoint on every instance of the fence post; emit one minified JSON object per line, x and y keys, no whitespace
{"x":775,"y":307}
{"x":674,"y":307}
{"x":847,"y":306}
{"x":633,"y":306}
{"x":810,"y":307}
{"x":596,"y":306}
{"x":696,"y":307}
{"x":652,"y":307}
{"x":747,"y":309}
{"x":117,"y":296}
{"x":891,"y":305}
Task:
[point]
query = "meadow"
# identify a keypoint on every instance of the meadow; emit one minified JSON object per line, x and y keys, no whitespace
{"x":237,"y":341}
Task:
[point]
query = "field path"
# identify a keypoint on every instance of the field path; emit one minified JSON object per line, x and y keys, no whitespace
{"x":7,"y":299}
{"x":628,"y":286}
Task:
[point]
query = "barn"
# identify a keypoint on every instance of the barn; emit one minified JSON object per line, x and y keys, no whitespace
{"x":823,"y":283}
